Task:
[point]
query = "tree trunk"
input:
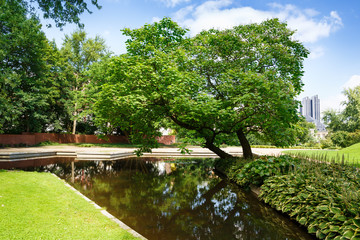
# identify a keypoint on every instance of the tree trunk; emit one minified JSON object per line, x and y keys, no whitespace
{"x":247,"y":153}
{"x":74,"y":126}
{"x":210,"y":145}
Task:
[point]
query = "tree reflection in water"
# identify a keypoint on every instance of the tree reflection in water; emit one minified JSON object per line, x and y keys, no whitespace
{"x":177,"y":200}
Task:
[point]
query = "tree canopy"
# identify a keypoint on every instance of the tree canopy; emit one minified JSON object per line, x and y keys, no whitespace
{"x":28,"y":71}
{"x":79,"y":53}
{"x":61,"y":11}
{"x":35,"y":77}
{"x":218,"y":83}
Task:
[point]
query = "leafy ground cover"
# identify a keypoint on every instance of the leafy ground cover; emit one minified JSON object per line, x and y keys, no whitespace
{"x":321,"y":196}
{"x":39,"y":206}
{"x":349,"y":155}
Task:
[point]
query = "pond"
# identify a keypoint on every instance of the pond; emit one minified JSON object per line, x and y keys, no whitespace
{"x":176,"y":199}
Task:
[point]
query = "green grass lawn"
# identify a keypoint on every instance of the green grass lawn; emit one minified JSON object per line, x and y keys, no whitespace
{"x":39,"y":206}
{"x":350,"y":155}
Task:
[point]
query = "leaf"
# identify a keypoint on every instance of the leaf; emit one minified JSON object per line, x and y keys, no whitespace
{"x":348,"y":234}
{"x":335,"y":210}
{"x":322,"y":208}
{"x":356,"y":221}
{"x":334,"y":228}
{"x":303,"y":220}
{"x":312,"y":229}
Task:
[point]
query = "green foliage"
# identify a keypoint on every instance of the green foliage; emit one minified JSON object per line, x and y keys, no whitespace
{"x":29,"y":81}
{"x":326,"y":143}
{"x":349,"y":119}
{"x":79,"y":53}
{"x":205,"y":84}
{"x":61,"y":11}
{"x":257,"y":139}
{"x":345,"y":139}
{"x":257,"y":171}
{"x":47,"y":143}
{"x":322,"y":197}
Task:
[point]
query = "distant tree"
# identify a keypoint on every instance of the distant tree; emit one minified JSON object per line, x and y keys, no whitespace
{"x":333,"y":120}
{"x":351,"y":113}
{"x":303,"y":133}
{"x":80,"y":53}
{"x":348,"y":119}
{"x":219,"y":83}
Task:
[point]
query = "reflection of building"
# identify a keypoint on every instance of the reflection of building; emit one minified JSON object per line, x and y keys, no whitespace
{"x":310,"y":109}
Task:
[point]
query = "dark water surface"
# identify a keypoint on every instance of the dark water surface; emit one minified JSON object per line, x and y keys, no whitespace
{"x":177,"y":200}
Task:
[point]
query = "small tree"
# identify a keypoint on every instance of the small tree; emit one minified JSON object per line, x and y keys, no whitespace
{"x":80,"y":53}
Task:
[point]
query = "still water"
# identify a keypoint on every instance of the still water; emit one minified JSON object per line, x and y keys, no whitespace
{"x":176,"y":200}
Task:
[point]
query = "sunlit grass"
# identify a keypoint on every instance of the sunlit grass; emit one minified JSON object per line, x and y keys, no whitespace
{"x":39,"y":206}
{"x":349,"y":155}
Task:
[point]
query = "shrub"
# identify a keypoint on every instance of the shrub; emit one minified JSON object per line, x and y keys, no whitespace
{"x":47,"y":143}
{"x":326,"y":144}
{"x":257,"y":171}
{"x":345,"y":139}
{"x":322,"y":197}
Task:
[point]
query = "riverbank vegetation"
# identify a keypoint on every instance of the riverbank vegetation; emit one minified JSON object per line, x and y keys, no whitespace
{"x":39,"y":206}
{"x":322,"y":197}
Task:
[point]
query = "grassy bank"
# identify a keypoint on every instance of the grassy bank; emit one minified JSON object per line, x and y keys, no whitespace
{"x":349,"y":155}
{"x":39,"y":206}
{"x":322,"y":197}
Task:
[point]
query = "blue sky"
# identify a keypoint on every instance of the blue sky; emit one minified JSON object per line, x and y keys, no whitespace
{"x":330,"y":29}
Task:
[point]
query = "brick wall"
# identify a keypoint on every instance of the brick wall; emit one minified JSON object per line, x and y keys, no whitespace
{"x":35,"y":138}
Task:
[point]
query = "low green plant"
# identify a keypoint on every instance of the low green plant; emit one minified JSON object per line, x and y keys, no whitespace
{"x":255,"y":172}
{"x":322,"y":197}
{"x":47,"y":143}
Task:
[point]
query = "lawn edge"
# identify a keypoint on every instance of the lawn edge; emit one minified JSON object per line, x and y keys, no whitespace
{"x":103,"y":211}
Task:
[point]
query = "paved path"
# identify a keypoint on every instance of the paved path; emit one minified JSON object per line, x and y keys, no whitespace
{"x":112,"y":153}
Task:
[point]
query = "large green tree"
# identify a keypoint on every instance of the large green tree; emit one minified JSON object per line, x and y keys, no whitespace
{"x":28,"y":71}
{"x":80,"y":52}
{"x":218,"y":83}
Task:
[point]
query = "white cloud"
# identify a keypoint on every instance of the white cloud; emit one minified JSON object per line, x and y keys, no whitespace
{"x":173,"y":3}
{"x":334,"y":102}
{"x":352,"y":82}
{"x":181,"y":14}
{"x":309,"y":26}
{"x":316,"y":52}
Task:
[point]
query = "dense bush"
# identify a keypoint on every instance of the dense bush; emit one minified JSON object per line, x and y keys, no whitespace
{"x":257,"y":171}
{"x":345,"y":139}
{"x":322,"y":197}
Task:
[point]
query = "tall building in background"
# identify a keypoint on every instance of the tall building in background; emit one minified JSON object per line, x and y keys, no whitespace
{"x":310,"y":109}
